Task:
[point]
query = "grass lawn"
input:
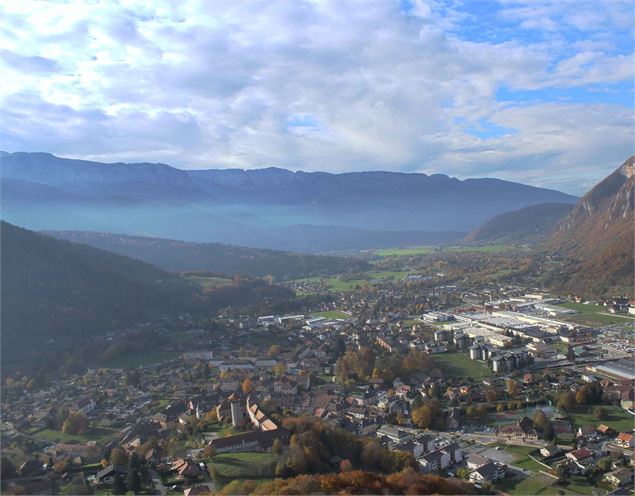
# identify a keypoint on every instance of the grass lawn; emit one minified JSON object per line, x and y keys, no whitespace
{"x":244,"y":465}
{"x":333,"y":314}
{"x":535,"y":484}
{"x":617,"y":419}
{"x":577,"y":485}
{"x":594,"y":314}
{"x":460,"y":365}
{"x":91,"y":434}
{"x":140,"y":359}
{"x":522,"y":460}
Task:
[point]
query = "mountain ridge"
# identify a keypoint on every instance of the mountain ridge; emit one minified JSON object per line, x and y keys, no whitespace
{"x":528,"y":225}
{"x":255,"y":208}
{"x":597,"y":236}
{"x":182,"y":256}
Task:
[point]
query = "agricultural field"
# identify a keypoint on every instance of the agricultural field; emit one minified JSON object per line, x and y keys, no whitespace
{"x":405,"y":252}
{"x":425,"y":250}
{"x":460,"y":365}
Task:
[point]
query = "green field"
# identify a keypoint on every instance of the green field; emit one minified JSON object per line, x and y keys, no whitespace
{"x":91,"y":434}
{"x":244,"y":465}
{"x":424,"y":250}
{"x":479,"y":249}
{"x":594,"y":314}
{"x":522,"y":460}
{"x":405,"y":252}
{"x":208,"y":282}
{"x":538,"y":484}
{"x":140,"y":359}
{"x":333,"y":314}
{"x":618,"y":419}
{"x":460,"y":365}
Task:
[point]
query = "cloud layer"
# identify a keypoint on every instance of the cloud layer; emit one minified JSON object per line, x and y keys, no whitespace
{"x":539,"y":92}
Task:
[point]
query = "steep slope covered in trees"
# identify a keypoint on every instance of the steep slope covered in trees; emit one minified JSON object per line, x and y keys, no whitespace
{"x":54,"y":292}
{"x":596,"y":238}
{"x":527,"y":225}
{"x":181,"y":256}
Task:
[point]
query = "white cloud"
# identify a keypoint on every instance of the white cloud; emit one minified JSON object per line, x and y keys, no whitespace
{"x":208,"y":84}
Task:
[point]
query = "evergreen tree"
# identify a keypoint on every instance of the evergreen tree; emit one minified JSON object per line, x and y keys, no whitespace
{"x":118,"y":486}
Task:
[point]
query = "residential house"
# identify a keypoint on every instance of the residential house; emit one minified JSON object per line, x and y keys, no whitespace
{"x":621,"y":477}
{"x":187,"y":469}
{"x":476,"y":461}
{"x":393,"y":433}
{"x":581,"y":455}
{"x":550,"y":450}
{"x":434,"y":461}
{"x":625,"y":440}
{"x":108,"y":474}
{"x":490,"y":472}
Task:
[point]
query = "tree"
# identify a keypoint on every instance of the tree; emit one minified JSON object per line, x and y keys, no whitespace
{"x":500,"y":407}
{"x":134,"y":480}
{"x":540,"y":419}
{"x":422,"y":417}
{"x":605,"y":464}
{"x":346,"y":466}
{"x":279,"y":369}
{"x":75,"y":423}
{"x":276,"y":448}
{"x":118,"y":485}
{"x":581,"y":396}
{"x":274,"y":350}
{"x":462,"y":473}
{"x":566,"y":402}
{"x":600,"y":413}
{"x":118,"y":456}
{"x":210,"y":452}
{"x":512,"y":387}
{"x":481,"y":411}
{"x":491,"y":394}
{"x":247,"y":386}
{"x":550,"y":433}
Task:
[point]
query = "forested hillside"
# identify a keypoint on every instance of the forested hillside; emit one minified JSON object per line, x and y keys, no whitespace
{"x":182,"y":256}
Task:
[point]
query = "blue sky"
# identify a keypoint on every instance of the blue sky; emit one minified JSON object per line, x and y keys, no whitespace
{"x":532,"y":91}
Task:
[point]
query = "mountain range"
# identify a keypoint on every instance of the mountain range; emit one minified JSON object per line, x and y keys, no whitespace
{"x":271,"y":208}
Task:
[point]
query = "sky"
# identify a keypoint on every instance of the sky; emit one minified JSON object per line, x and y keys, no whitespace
{"x":540,"y":92}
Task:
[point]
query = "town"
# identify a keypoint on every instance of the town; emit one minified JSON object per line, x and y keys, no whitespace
{"x":512,"y":390}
